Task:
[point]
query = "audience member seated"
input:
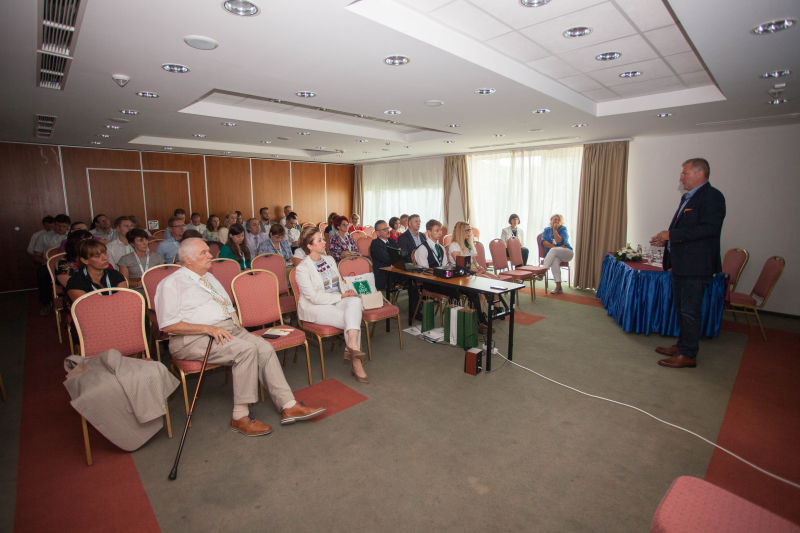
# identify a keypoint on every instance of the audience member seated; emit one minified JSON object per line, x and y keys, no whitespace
{"x":515,"y":231}
{"x":136,"y":263}
{"x":180,"y":213}
{"x":355,"y":225}
{"x":212,"y":229}
{"x":277,"y":244}
{"x":286,"y":210}
{"x":264,"y":224}
{"x":235,"y":248}
{"x":73,"y":227}
{"x":227,"y":222}
{"x":322,"y":301}
{"x":557,"y":249}
{"x":168,"y":248}
{"x":412,"y":237}
{"x":46,"y":241}
{"x":254,"y":237}
{"x":292,"y":228}
{"x":69,"y":265}
{"x":196,"y":224}
{"x":378,"y":250}
{"x":342,"y":243}
{"x":138,"y":224}
{"x":101,"y":228}
{"x":47,"y":225}
{"x":299,"y":254}
{"x":192,"y":306}
{"x":403,"y":223}
{"x":93,"y":272}
{"x":394,"y":231}
{"x":119,"y":246}
{"x":191,"y":234}
{"x":331,"y":229}
{"x":463,"y":245}
{"x":239,"y":218}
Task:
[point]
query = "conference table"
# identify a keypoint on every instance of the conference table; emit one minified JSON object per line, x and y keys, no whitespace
{"x":472,"y":285}
{"x":639,"y":297}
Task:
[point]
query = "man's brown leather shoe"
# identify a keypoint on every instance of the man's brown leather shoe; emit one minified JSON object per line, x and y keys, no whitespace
{"x":250,"y":427}
{"x":678,"y":361}
{"x":300,"y":412}
{"x":672,"y":350}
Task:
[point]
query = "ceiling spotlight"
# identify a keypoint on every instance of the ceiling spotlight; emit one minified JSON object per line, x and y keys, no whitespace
{"x":201,"y":135}
{"x":266,"y":142}
{"x":240,"y":7}
{"x":320,"y":147}
{"x":578,"y":31}
{"x":534,"y":130}
{"x":339,"y":155}
{"x":452,"y":125}
{"x":778,"y":101}
{"x":175,"y":68}
{"x":103,"y":135}
{"x":774,"y":26}
{"x":362,"y":140}
{"x":167,"y":148}
{"x":275,"y":156}
{"x":120,"y":120}
{"x":608,"y":56}
{"x":498,"y":135}
{"x":276,"y":100}
{"x":303,"y":133}
{"x":630,"y":74}
{"x":579,"y":125}
{"x":145,"y":94}
{"x":364,"y":152}
{"x":391,"y":112}
{"x":128,"y":112}
{"x":200,"y":42}
{"x":396,"y":61}
{"x":112,"y":127}
{"x":284,"y":138}
{"x":391,"y":121}
{"x":433,"y":103}
{"x":306,"y":94}
{"x":484,"y":91}
{"x":533,"y":3}
{"x":316,"y":159}
{"x":228,"y":123}
{"x":776,"y":74}
{"x":540,"y":111}
{"x":409,"y":147}
{"x":322,"y":109}
{"x":360,"y":116}
{"x":449,"y":142}
{"x":95,"y":142}
{"x":664,"y":115}
{"x":225,"y":152}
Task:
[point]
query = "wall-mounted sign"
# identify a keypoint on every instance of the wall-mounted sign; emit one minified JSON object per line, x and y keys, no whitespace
{"x":152,"y":224}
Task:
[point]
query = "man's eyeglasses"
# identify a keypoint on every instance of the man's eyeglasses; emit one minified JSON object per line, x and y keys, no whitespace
{"x":178,"y":226}
{"x":383,"y":229}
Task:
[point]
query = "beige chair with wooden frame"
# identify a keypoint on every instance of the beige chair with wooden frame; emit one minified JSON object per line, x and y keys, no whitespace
{"x":51,"y":252}
{"x":150,"y":280}
{"x":159,"y":234}
{"x":106,"y":321}
{"x":733,"y":264}
{"x":58,"y":293}
{"x":446,"y":240}
{"x":748,"y":305}
{"x":152,"y":244}
{"x":564,"y":264}
{"x":225,"y":270}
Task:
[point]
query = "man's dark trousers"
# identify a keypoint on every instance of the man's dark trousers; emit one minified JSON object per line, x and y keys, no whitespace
{"x":687,"y":297}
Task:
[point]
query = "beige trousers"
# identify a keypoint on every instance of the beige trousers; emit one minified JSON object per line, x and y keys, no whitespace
{"x":252,"y":359}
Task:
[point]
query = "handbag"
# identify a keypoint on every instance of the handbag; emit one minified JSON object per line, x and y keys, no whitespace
{"x":364,"y":286}
{"x":467,"y":328}
{"x":451,"y":322}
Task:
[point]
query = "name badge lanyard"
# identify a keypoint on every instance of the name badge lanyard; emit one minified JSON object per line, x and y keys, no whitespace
{"x":327,"y":274}
{"x":108,"y":283}
{"x":146,"y":263}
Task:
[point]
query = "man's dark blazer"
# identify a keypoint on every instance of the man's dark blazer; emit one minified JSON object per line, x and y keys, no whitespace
{"x":406,"y":242}
{"x":694,"y":236}
{"x":378,"y":251}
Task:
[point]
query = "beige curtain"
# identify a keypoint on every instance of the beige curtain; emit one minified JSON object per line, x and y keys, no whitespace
{"x":456,"y":164}
{"x":603,"y":209}
{"x":358,"y":192}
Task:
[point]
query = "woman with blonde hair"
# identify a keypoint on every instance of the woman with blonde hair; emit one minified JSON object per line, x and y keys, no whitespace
{"x":557,"y":249}
{"x":227,"y":222}
{"x":355,"y":225}
{"x":463,"y":245}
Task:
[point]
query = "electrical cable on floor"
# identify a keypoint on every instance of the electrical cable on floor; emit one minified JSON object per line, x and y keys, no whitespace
{"x":745,"y":461}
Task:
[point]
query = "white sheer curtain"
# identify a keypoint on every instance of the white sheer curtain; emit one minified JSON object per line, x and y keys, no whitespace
{"x":534,"y":184}
{"x":410,"y":187}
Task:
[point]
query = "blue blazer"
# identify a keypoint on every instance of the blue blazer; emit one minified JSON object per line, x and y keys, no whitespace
{"x":694,"y":236}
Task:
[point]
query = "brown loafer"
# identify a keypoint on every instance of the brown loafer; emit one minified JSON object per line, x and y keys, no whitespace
{"x":250,"y":427}
{"x":678,"y":361}
{"x":300,"y":412}
{"x":672,"y":350}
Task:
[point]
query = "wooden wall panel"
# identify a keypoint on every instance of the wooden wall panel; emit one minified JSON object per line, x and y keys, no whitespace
{"x":271,"y":187}
{"x":76,"y":161}
{"x":116,"y":193}
{"x":163,"y":193}
{"x":228,"y":185}
{"x":339,"y":188}
{"x":30,"y":178}
{"x":193,"y":164}
{"x":308,"y":189}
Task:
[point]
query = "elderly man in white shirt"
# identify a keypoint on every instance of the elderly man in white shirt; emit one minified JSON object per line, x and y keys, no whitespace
{"x":191,"y":305}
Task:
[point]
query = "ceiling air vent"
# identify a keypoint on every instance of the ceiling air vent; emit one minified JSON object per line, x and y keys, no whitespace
{"x":44,"y":126}
{"x":52,"y":71}
{"x":59,"y":21}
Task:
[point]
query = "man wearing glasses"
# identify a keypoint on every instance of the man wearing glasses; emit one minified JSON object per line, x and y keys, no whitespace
{"x":102,"y":229}
{"x":378,"y":250}
{"x":168,"y":248}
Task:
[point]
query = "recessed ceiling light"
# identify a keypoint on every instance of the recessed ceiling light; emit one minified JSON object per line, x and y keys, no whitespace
{"x":391,"y":112}
{"x":409,"y":147}
{"x":396,"y":61}
{"x":664,"y":115}
{"x":275,"y":156}
{"x":145,"y":94}
{"x":498,"y":135}
{"x":775,"y":25}
{"x":316,"y":159}
{"x":276,"y":100}
{"x":266,"y":142}
{"x":284,"y":138}
{"x":433,"y":103}
{"x":778,"y":101}
{"x":320,"y":147}
{"x":540,"y":111}
{"x":449,"y":142}
{"x":303,"y":133}
{"x":392,"y":121}
{"x":533,"y":3}
{"x":306,"y":94}
{"x":339,"y":155}
{"x":228,"y":123}
{"x":360,"y":116}
{"x":167,"y":148}
{"x":388,"y":144}
{"x":452,"y":125}
{"x":608,"y":56}
{"x":95,"y":142}
{"x":578,"y":31}
{"x":200,"y":42}
{"x":128,"y":112}
{"x":362,"y":140}
{"x":120,"y":120}
{"x":579,"y":125}
{"x":776,"y":74}
{"x":105,"y":135}
{"x":201,"y":135}
{"x":240,"y":7}
{"x":386,"y":149}
{"x":322,"y":109}
{"x":225,"y":152}
{"x":112,"y":127}
{"x":175,"y":68}
{"x":364,"y":152}
{"x":484,"y":91}
{"x":630,"y":74}
{"x":535,"y":130}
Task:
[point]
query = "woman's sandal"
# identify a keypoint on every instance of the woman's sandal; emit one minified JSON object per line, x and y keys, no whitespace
{"x":350,"y":354}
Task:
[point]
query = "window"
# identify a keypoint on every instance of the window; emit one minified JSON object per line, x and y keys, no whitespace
{"x":410,"y":187}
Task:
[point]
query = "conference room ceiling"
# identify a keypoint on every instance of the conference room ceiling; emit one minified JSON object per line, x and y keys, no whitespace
{"x":699,"y":61}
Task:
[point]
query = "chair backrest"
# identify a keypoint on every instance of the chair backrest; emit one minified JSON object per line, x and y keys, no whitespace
{"x":307,"y":224}
{"x":153,"y":244}
{"x":514,"y":251}
{"x":295,"y":291}
{"x":116,"y":321}
{"x":225,"y":270}
{"x":357,"y":235}
{"x":51,"y":264}
{"x":733,"y":264}
{"x":444,"y":230}
{"x":158,"y":234}
{"x":354,"y":266}
{"x":256,"y":295}
{"x":498,"y":250}
{"x":214,"y":248}
{"x":541,"y":248}
{"x":363,"y":245}
{"x":772,"y":270}
{"x":447,"y":240}
{"x":152,"y":277}
{"x":480,"y":254}
{"x":276,"y":264}
{"x":369,"y":230}
{"x":476,"y":233}
{"x":51,"y":252}
{"x":322,"y":226}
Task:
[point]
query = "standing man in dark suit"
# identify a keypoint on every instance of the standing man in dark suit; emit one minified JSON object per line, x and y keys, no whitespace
{"x":693,"y":253}
{"x":378,"y":251}
{"x":410,"y":240}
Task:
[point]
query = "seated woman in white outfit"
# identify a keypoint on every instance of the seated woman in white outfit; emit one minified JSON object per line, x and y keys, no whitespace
{"x":514,"y":230}
{"x":463,"y":245}
{"x":557,"y":249}
{"x":322,"y":301}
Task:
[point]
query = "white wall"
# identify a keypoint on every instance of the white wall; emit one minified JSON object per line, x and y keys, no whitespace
{"x":758,"y":171}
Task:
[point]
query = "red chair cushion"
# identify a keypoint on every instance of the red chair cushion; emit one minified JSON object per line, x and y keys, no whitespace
{"x":294,"y":338}
{"x":190,"y":367}
{"x":321,"y":330}
{"x":534,"y":269}
{"x":516,"y":274}
{"x":381,"y":313}
{"x":737,"y":298}
{"x":287,"y":303}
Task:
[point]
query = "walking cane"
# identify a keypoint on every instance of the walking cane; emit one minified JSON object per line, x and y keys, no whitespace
{"x":174,"y":473}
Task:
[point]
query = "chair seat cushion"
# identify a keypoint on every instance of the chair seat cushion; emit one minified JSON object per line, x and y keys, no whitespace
{"x":190,"y":367}
{"x":380,"y":313}
{"x":516,"y":274}
{"x":321,"y":330}
{"x":692,"y":504}
{"x":738,"y":298}
{"x":535,"y":269}
{"x":287,"y":303}
{"x":294,"y":338}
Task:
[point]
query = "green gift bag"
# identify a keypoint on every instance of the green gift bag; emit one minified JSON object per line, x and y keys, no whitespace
{"x":448,"y":310}
{"x":467,"y":328}
{"x":427,"y":315}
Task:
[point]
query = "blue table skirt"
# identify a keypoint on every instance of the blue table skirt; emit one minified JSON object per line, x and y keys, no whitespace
{"x":641,"y":300}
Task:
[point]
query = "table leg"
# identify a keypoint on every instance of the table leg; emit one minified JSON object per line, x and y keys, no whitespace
{"x":511,"y":328}
{"x":489,"y":336}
